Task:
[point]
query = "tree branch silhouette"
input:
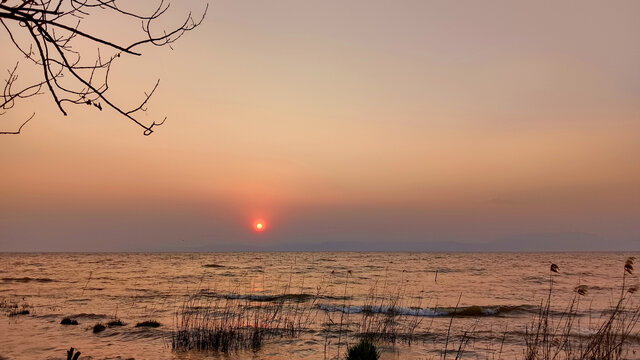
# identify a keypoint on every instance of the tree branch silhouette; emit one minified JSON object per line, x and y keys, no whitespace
{"x":45,"y":32}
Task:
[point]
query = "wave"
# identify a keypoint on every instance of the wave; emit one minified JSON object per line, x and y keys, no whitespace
{"x":27,"y":279}
{"x":213,"y":266}
{"x":261,"y":298}
{"x":301,"y":297}
{"x":471,"y":311}
{"x":78,"y":300}
{"x":83,"y":316}
{"x":267,"y":298}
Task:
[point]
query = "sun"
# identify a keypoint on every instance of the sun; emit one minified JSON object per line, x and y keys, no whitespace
{"x":259,"y":225}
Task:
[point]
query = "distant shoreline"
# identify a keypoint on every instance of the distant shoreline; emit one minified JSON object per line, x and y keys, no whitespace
{"x":327,"y":251}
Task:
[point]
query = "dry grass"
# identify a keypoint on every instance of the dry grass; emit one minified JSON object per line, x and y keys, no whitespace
{"x":383,"y":320}
{"x":146,"y":323}
{"x":235,"y":322}
{"x":19,"y":312}
{"x":364,"y":350}
{"x":209,"y":321}
{"x":389,"y":315}
{"x":115,"y":322}
{"x":68,"y":321}
{"x":97,"y":328}
{"x":560,"y":337}
{"x":13,"y":307}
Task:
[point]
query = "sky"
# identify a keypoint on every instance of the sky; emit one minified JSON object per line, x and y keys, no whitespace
{"x":360,"y":125}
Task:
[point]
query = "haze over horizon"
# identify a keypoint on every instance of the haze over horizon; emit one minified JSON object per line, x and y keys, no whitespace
{"x":363,"y":125}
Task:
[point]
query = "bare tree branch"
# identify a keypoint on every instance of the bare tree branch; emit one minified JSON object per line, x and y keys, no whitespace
{"x":45,"y":31}
{"x":19,"y":129}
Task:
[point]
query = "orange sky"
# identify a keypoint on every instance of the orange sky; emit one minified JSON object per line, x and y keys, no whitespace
{"x":362,"y":121}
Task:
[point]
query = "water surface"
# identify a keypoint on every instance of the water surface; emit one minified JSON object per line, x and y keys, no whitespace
{"x":495,"y":296}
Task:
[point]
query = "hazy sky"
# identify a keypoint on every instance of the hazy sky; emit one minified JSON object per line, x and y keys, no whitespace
{"x":345,"y":121}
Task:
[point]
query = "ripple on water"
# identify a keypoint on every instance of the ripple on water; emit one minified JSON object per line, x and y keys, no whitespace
{"x":27,"y":279}
{"x":509,"y":291}
{"x":78,"y":300}
{"x":213,"y":266}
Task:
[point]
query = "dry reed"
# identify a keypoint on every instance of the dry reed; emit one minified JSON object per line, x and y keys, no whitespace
{"x":559,"y":336}
{"x":235,"y":322}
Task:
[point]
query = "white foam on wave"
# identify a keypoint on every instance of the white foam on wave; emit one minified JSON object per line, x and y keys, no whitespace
{"x":428,"y":312}
{"x":383,"y":310}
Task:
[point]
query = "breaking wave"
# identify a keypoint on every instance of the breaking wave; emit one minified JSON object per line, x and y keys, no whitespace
{"x":473,"y":310}
{"x":302,"y":297}
{"x":26,"y":279}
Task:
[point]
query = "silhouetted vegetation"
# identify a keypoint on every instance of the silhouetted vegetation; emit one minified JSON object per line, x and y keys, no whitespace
{"x":363,"y":350}
{"x":560,"y":336}
{"x":68,"y":321}
{"x":72,"y":354}
{"x":48,"y":34}
{"x":149,"y":323}
{"x":236,"y":322}
{"x":98,"y":328}
{"x":225,"y":322}
{"x":117,"y":322}
{"x":13,"y":307}
{"x":19,"y":312}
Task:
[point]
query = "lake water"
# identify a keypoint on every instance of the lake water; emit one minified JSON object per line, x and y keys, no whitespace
{"x":494,"y":295}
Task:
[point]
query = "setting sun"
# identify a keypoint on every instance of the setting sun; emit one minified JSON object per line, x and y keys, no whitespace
{"x":259,"y":225}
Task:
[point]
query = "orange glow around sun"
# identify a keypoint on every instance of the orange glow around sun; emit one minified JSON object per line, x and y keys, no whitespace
{"x":259,"y":225}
